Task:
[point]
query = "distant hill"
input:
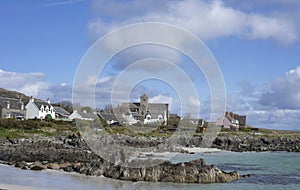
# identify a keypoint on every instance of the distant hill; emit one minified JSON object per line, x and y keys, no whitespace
{"x":13,"y":94}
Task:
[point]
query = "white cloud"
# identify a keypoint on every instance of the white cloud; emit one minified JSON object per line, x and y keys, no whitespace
{"x":193,"y":101}
{"x":284,"y":93}
{"x":33,"y":84}
{"x":276,"y":107}
{"x":138,"y":53}
{"x":191,"y":107}
{"x":275,"y":118}
{"x":278,"y":27}
{"x":238,"y":104}
{"x":161,"y":99}
{"x":28,"y":83}
{"x":207,"y":19}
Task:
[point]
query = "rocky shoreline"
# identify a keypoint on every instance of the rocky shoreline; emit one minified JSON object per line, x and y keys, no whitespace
{"x":239,"y":142}
{"x":71,"y":154}
{"x":258,"y":143}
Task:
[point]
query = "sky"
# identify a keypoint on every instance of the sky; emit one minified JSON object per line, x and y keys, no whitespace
{"x":255,"y":43}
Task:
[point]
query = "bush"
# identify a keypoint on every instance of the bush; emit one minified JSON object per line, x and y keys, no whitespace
{"x":34,"y":124}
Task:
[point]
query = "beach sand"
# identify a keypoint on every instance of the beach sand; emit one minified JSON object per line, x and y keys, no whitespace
{"x":19,"y":187}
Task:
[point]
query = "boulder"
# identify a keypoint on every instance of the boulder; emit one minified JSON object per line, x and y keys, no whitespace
{"x":53,"y":166}
{"x":38,"y":166}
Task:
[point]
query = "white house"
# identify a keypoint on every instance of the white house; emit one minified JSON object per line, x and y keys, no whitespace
{"x":224,"y":122}
{"x":39,"y":109}
{"x":160,"y":119}
{"x":129,"y":118}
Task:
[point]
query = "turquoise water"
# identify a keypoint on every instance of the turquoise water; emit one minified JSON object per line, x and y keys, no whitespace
{"x":270,"y":170}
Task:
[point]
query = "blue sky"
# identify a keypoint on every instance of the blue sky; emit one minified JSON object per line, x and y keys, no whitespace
{"x":256,"y":44}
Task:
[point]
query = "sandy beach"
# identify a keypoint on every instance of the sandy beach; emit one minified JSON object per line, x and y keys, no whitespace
{"x":18,"y":187}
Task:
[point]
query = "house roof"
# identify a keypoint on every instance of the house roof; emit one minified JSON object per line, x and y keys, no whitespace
{"x":157,"y":106}
{"x":130,"y":105}
{"x":61,"y":111}
{"x":157,"y":109}
{"x":108,"y":116}
{"x":233,"y":116}
{"x":39,"y":104}
{"x":88,"y":115}
{"x":13,"y":103}
{"x":241,"y":119}
{"x":224,"y":120}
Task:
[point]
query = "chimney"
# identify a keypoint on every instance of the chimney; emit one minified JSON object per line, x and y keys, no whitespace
{"x":21,"y":103}
{"x":8,"y":104}
{"x":48,"y":100}
{"x":31,"y":99}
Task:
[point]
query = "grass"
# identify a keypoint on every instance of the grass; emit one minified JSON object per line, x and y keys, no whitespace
{"x":11,"y":128}
{"x":135,"y":131}
{"x":10,"y":134}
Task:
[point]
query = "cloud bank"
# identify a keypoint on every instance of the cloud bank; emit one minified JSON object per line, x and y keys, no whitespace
{"x":34,"y":84}
{"x":275,"y":106}
{"x":207,"y":19}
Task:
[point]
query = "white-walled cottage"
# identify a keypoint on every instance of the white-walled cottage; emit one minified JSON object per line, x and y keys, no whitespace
{"x":39,"y":109}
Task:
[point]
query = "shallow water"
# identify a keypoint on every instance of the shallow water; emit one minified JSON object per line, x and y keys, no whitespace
{"x":270,"y":170}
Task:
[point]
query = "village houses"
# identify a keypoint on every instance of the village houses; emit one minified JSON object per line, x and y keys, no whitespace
{"x":139,"y":112}
{"x":231,"y":120}
{"x":128,"y":113}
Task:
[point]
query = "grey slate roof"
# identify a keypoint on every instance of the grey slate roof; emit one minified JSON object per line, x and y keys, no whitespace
{"x":61,"y":111}
{"x":130,"y":105}
{"x":40,"y":104}
{"x":108,"y":116}
{"x":157,"y":109}
{"x":13,"y":103}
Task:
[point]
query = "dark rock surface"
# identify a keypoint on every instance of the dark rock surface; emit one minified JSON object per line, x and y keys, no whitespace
{"x":242,"y":143}
{"x":239,"y":142}
{"x":71,"y":154}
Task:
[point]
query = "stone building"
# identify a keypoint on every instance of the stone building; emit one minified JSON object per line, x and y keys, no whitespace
{"x":144,"y":111}
{"x":12,"y":108}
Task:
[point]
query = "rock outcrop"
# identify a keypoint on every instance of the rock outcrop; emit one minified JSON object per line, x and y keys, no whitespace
{"x":242,"y":143}
{"x":71,"y":154}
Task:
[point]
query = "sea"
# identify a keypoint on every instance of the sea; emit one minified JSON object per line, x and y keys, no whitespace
{"x":269,"y":170}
